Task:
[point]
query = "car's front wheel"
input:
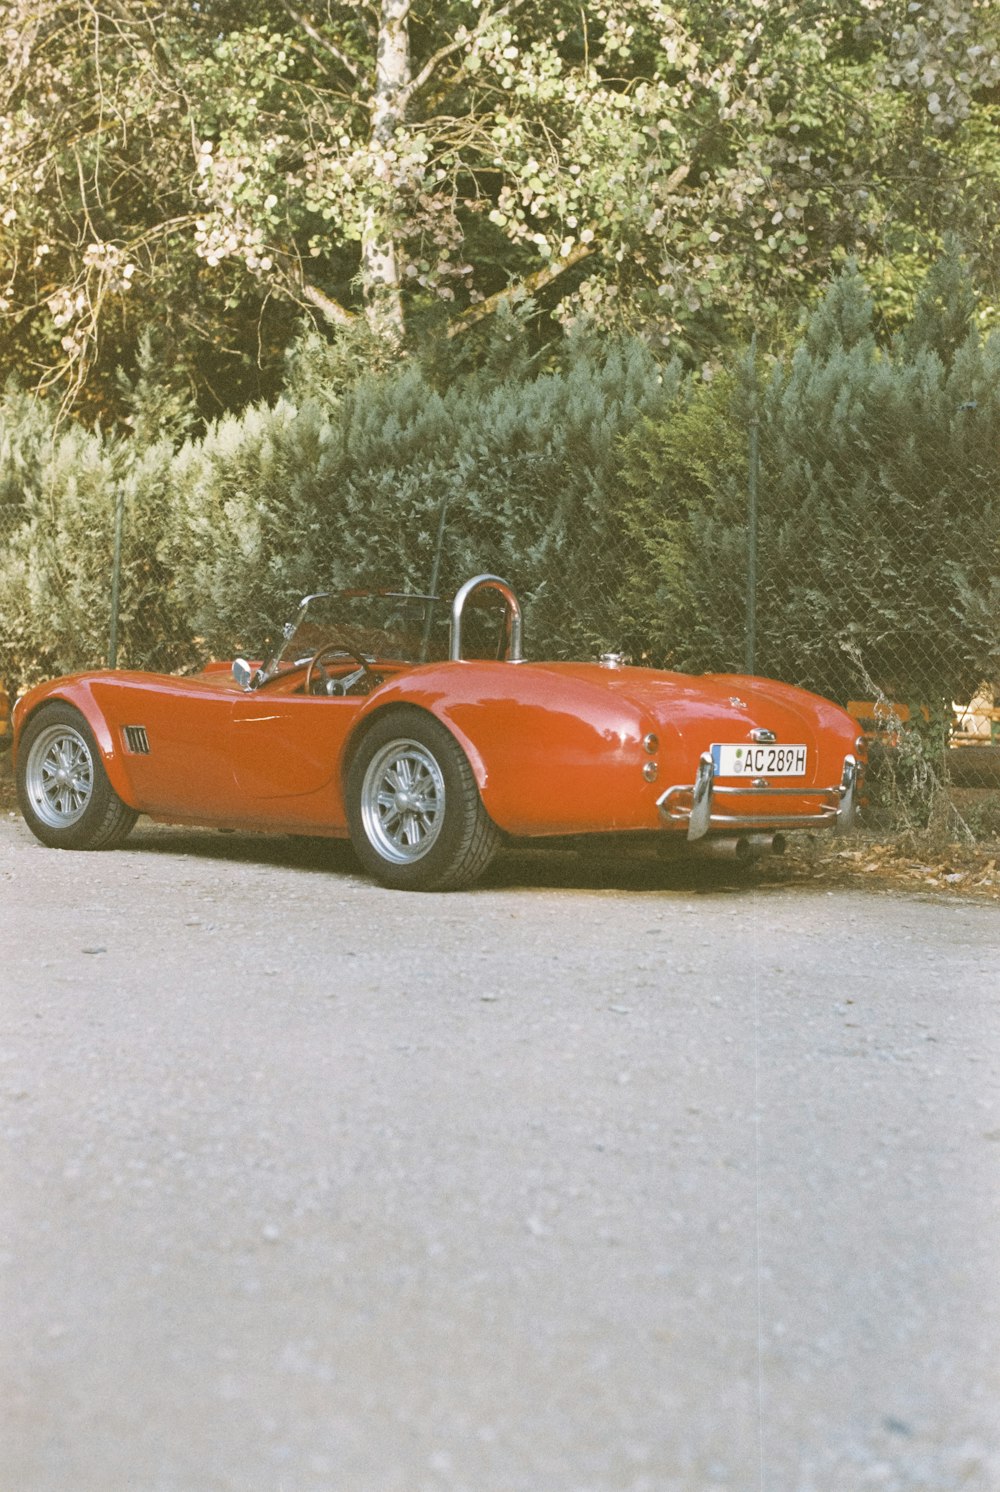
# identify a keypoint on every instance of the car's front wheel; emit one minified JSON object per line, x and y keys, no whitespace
{"x":417,"y":821}
{"x":62,"y":787}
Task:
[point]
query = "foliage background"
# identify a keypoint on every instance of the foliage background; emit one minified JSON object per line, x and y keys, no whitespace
{"x":879,"y":505}
{"x":609,"y":487}
{"x":296,"y":296}
{"x":676,"y":169}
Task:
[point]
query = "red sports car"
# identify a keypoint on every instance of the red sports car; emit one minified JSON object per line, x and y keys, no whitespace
{"x":354,"y":728}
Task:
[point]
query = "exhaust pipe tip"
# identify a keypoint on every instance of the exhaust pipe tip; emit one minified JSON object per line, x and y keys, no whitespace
{"x":743,"y":848}
{"x":766,"y":844}
{"x":722,"y":847}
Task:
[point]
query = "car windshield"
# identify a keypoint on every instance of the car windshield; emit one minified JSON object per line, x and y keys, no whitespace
{"x":388,"y":626}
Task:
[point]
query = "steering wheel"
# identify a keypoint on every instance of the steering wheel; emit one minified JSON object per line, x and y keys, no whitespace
{"x":334,"y":650}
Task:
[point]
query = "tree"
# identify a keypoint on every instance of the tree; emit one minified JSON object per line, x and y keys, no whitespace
{"x":681,"y":167}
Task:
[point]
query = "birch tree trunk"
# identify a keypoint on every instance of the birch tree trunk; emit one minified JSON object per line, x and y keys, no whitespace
{"x":380,"y":266}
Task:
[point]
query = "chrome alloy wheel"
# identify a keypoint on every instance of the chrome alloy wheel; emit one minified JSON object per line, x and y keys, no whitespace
{"x":403,"y":801}
{"x":59,"y":776}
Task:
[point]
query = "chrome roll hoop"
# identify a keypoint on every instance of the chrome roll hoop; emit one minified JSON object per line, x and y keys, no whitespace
{"x":514,"y":620}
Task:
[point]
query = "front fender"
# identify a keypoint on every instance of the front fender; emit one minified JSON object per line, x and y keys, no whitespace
{"x":78,"y":692}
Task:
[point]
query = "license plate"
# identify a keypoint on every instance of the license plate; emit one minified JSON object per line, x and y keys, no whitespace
{"x":759,"y":761}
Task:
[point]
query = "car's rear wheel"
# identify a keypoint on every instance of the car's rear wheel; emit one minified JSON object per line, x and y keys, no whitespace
{"x":62,"y":787}
{"x":417,"y":821}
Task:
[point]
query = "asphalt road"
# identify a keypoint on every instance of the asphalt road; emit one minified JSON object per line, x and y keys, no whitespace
{"x":591,"y":1180}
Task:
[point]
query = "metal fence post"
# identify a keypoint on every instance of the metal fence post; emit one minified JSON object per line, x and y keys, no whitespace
{"x":116,"y":576}
{"x":753,"y":477}
{"x":435,"y":576}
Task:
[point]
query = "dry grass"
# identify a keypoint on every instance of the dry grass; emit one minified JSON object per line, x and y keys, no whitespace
{"x":909,"y":862}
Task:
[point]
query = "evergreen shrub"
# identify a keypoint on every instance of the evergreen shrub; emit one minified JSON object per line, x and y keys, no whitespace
{"x":55,"y":575}
{"x":350,"y":488}
{"x":60,"y":487}
{"x":610,"y":490}
{"x":879,"y":508}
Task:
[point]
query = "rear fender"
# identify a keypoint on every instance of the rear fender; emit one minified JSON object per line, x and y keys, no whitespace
{"x":550,"y":755}
{"x":433,"y":703}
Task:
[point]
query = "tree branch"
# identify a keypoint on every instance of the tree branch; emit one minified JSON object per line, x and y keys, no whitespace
{"x":450,"y":48}
{"x":320,"y":40}
{"x":326,"y":305}
{"x":125,"y":22}
{"x":527,"y":286}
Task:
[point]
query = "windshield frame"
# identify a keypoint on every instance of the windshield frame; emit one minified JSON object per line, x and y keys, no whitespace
{"x":289,"y":656}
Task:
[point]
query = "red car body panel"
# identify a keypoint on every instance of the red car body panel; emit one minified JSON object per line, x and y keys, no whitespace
{"x":555,"y":748}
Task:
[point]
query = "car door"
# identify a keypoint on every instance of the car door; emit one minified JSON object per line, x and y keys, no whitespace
{"x":285,"y":753}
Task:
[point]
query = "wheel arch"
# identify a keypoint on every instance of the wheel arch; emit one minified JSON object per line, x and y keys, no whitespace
{"x":443,"y":838}
{"x":401,"y":705}
{"x":76,"y":694}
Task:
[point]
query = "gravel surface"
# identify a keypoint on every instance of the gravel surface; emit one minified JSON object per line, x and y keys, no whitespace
{"x":596,"y":1179}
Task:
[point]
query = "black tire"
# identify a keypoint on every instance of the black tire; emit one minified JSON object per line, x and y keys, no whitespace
{"x":417,"y":821}
{"x":62,"y":787}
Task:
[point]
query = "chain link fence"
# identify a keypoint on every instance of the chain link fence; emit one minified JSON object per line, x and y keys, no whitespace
{"x":865,"y":572}
{"x":569,"y":586}
{"x":841,"y":534}
{"x":9,"y":521}
{"x":873,"y":573}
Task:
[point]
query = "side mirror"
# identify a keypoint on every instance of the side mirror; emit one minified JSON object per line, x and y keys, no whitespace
{"x":242,"y":673}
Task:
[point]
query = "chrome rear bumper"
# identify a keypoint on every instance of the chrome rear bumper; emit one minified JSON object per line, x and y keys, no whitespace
{"x":698,"y":804}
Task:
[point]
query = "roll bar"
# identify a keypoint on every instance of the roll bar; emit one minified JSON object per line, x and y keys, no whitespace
{"x":514,"y":618}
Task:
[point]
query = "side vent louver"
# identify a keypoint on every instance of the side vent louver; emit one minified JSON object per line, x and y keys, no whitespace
{"x":136,"y":739}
